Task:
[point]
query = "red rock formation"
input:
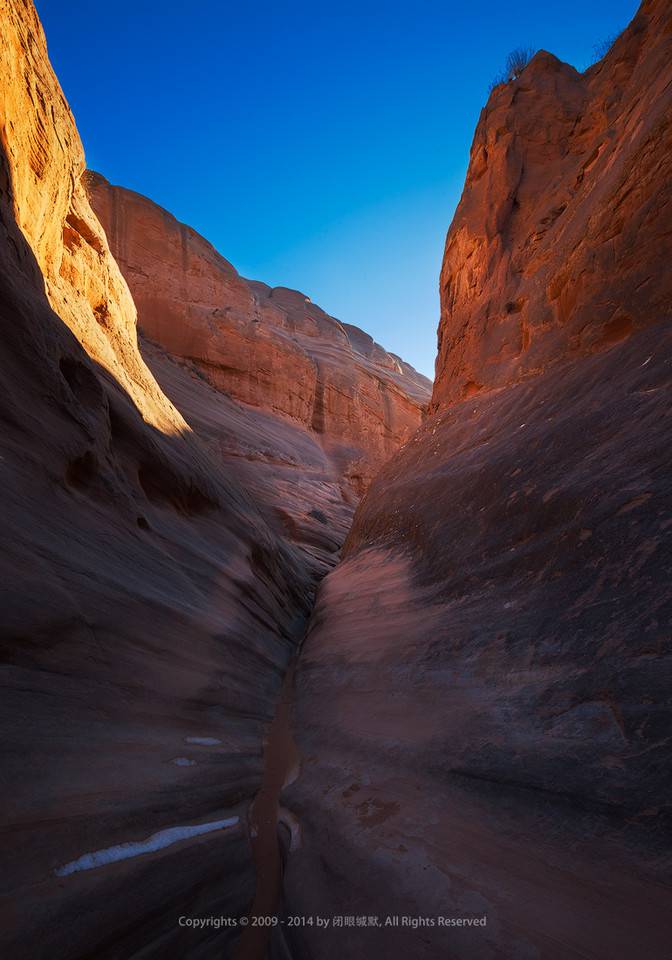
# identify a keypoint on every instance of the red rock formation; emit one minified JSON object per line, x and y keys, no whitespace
{"x":270,"y":348}
{"x":483,"y":697}
{"x":148,"y":610}
{"x":45,"y":165}
{"x":156,"y":570}
{"x":558,"y":246}
{"x":482,"y":701}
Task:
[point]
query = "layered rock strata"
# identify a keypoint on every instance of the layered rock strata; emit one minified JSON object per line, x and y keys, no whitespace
{"x":270,"y":348}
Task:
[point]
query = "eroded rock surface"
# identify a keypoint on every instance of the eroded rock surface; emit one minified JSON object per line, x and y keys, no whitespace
{"x":560,"y":242}
{"x":141,"y":587}
{"x":271,"y":348}
{"x":483,"y":697}
{"x":161,"y":545}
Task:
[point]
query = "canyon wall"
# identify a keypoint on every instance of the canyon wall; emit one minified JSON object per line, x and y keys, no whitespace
{"x":141,"y":587}
{"x":161,"y":545}
{"x":482,"y":702}
{"x":271,"y":348}
{"x":559,"y":245}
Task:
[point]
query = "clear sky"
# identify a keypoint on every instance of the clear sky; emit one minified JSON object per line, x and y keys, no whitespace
{"x":317,"y":145}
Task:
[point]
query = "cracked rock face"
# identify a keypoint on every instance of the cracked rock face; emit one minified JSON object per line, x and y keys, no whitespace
{"x":483,"y":697}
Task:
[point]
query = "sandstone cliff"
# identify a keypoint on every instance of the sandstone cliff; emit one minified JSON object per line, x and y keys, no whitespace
{"x":269,"y":348}
{"x":483,"y":697}
{"x":45,"y":163}
{"x":559,"y":244}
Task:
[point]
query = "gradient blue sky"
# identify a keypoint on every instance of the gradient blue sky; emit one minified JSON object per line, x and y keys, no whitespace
{"x":319,"y":146}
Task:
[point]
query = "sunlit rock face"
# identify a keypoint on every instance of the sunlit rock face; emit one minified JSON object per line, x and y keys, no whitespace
{"x":559,"y":245}
{"x":161,"y":544}
{"x":270,"y":348}
{"x":483,"y":698}
{"x":44,"y":165}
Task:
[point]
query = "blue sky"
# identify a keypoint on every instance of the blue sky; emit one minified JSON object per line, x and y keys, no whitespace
{"x":318,"y":145}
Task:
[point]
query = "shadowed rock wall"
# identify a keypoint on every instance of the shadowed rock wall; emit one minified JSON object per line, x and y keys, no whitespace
{"x":483,"y":698}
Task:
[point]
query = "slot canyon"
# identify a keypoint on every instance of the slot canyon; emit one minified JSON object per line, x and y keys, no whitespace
{"x":291,"y":631}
